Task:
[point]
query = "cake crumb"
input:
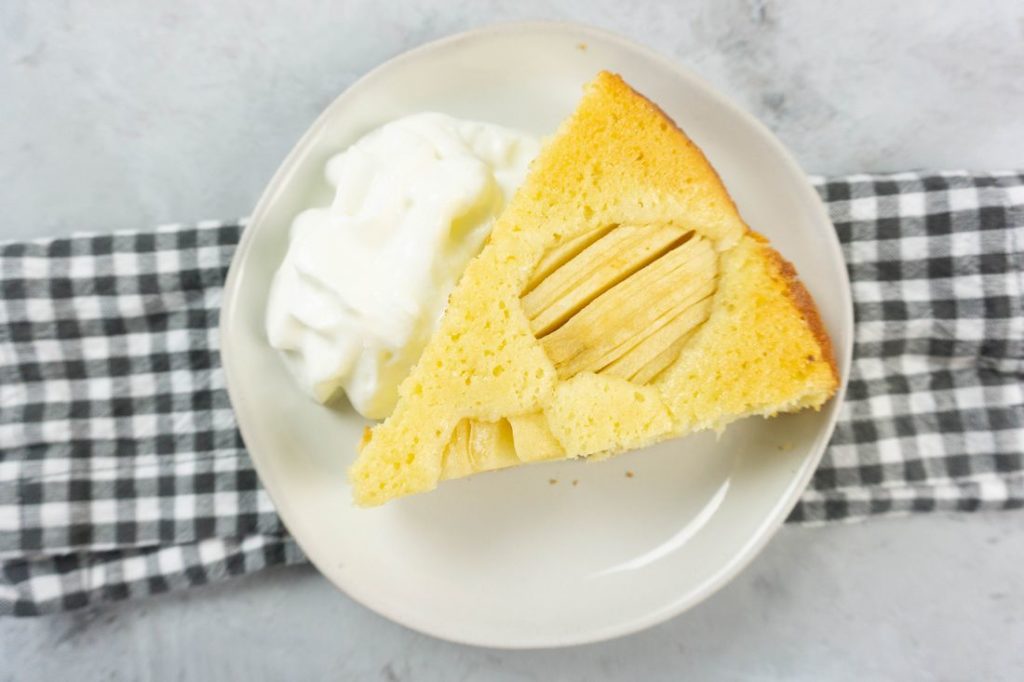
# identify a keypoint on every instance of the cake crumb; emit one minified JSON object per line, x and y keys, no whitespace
{"x":574,"y":481}
{"x":629,"y":474}
{"x":786,"y":447}
{"x":552,"y":481}
{"x":582,"y":47}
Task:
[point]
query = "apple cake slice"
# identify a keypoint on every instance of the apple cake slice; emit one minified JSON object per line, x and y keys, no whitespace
{"x":619,"y":301}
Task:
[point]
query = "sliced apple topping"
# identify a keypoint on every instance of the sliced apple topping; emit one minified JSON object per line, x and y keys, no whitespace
{"x":623,"y":303}
{"x":595,"y":270}
{"x":477,"y":445}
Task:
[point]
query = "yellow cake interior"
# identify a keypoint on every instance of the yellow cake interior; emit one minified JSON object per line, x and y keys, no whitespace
{"x":620,"y":300}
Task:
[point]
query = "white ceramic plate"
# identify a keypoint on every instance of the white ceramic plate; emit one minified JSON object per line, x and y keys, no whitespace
{"x":510,"y":559}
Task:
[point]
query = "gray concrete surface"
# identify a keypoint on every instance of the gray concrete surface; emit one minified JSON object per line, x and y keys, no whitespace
{"x":121,"y":115}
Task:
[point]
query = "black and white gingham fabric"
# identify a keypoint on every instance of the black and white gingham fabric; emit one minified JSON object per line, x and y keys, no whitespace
{"x":934,"y":411}
{"x":121,"y":470}
{"x":122,"y":473}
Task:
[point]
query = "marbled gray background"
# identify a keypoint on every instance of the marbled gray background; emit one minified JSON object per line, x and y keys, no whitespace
{"x":126,"y":114}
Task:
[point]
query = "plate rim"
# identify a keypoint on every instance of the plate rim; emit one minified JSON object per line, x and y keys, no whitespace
{"x":773,"y":521}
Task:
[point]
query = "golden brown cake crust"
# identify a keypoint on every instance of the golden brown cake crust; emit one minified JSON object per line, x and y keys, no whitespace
{"x":681,"y":162}
{"x":803,"y":301}
{"x":619,"y":82}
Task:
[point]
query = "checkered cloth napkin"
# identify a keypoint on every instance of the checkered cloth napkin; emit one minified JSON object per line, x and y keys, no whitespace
{"x":122,"y":473}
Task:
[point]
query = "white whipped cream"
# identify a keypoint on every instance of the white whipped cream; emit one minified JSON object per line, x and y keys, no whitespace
{"x":365,"y":281}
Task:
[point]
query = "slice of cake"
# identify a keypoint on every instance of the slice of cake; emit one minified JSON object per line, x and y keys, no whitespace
{"x":619,"y":301}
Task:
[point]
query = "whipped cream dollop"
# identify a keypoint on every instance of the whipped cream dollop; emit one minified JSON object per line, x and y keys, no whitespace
{"x":365,"y":281}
